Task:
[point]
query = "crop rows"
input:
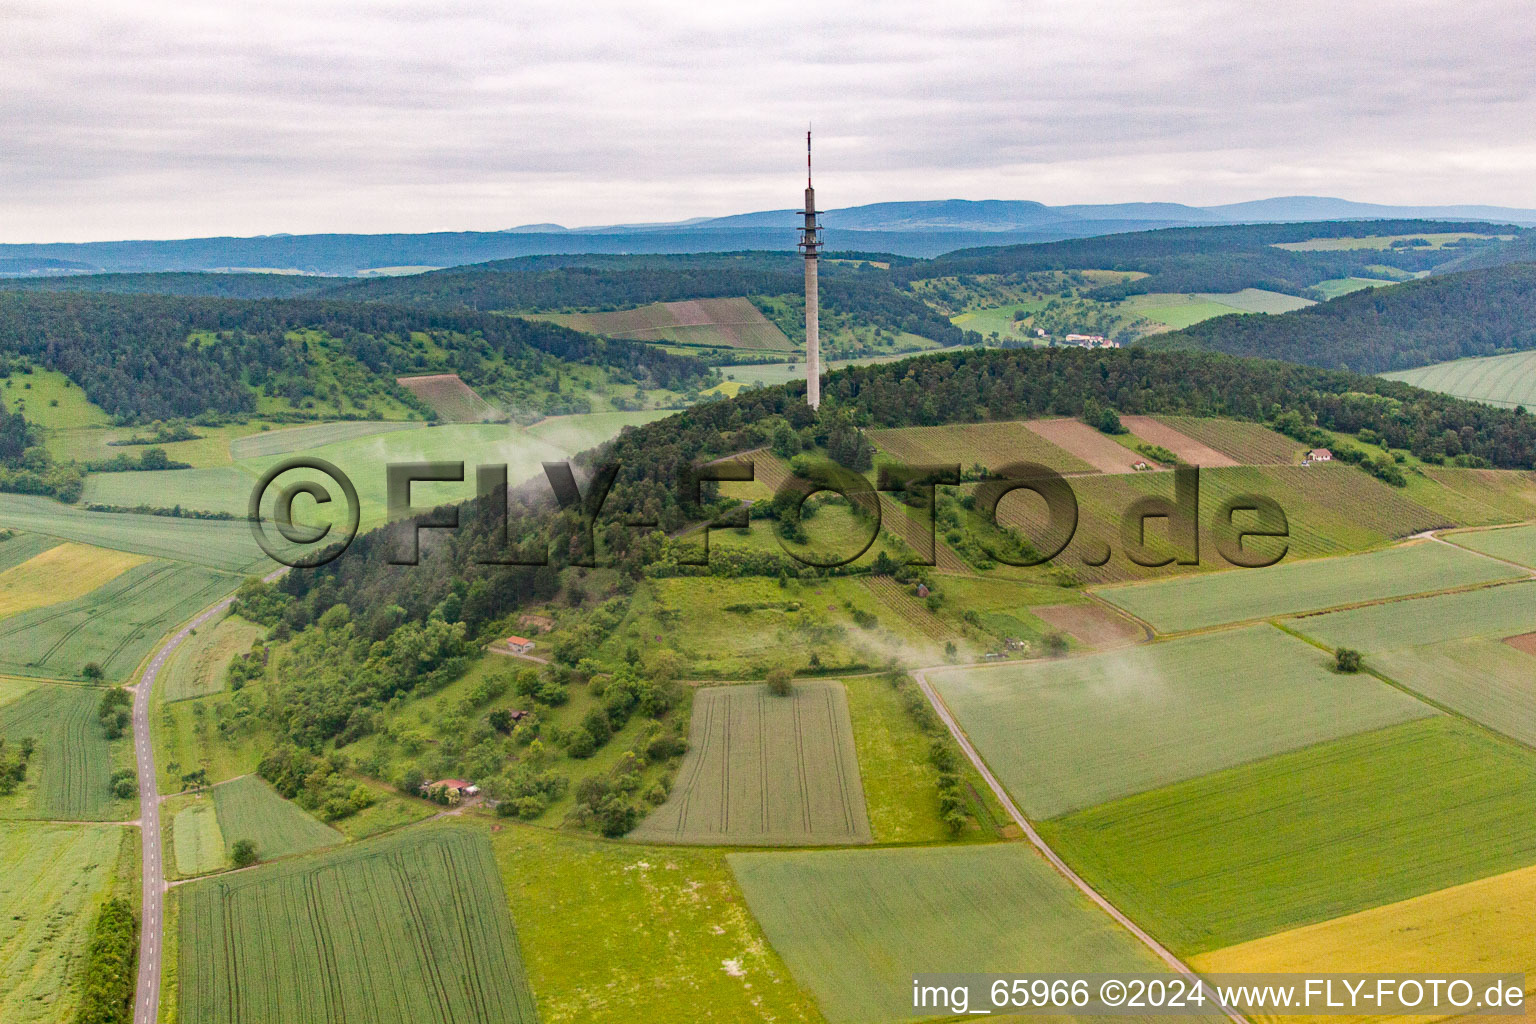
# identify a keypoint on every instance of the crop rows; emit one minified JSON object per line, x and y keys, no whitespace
{"x":895,"y":597}
{"x":766,"y":770}
{"x":993,"y":445}
{"x":454,"y":400}
{"x":250,"y":809}
{"x":411,"y":929}
{"x":72,"y":765}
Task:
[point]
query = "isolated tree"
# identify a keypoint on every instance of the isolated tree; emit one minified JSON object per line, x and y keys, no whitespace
{"x":778,"y":680}
{"x":1347,"y":659}
{"x":92,"y":671}
{"x":1055,"y":644}
{"x":243,"y":853}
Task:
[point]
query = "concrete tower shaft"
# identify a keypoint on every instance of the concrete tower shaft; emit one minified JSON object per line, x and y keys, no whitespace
{"x":810,"y":248}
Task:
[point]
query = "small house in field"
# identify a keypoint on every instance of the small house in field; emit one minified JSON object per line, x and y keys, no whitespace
{"x":518,"y":716}
{"x":922,"y":590}
{"x":1141,"y":467}
{"x":456,"y":790}
{"x":518,"y":644}
{"x":1318,"y":455}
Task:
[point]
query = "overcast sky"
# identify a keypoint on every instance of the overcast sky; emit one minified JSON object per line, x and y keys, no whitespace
{"x":164,"y":120}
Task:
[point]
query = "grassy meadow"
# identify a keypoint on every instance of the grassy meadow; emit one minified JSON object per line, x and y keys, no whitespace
{"x":196,"y":840}
{"x":69,"y":775}
{"x":196,"y":668}
{"x":250,"y":809}
{"x":1310,"y":835}
{"x":854,"y":924}
{"x":52,"y":879}
{"x":617,"y":933}
{"x":1238,"y":595}
{"x":1058,"y":733}
{"x":50,"y":400}
{"x":765,"y":771}
{"x":187,"y":738}
{"x":412,"y":929}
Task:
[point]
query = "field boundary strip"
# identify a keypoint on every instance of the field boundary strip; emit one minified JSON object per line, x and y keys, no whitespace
{"x":1158,"y":949}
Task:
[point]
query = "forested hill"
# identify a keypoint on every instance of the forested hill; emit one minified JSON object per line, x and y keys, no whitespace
{"x":144,"y":357}
{"x":1431,"y":320}
{"x":960,"y":386}
{"x":1216,"y":259}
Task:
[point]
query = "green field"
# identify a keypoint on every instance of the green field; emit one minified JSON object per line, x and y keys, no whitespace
{"x":1059,"y":733}
{"x":1505,"y":381}
{"x":50,"y":400}
{"x":1493,"y":612}
{"x":212,"y":543}
{"x":1248,"y":443}
{"x":1257,"y":300}
{"x":900,"y":784}
{"x":297,"y":439}
{"x":765,"y":771}
{"x":1516,"y":544}
{"x":115,"y":625}
{"x":69,"y":776}
{"x":854,"y":925}
{"x":198,"y":843}
{"x":1436,"y":240}
{"x":1180,"y":311}
{"x":248,"y":808}
{"x":1332,"y":289}
{"x":616,"y":933}
{"x":411,"y":929}
{"x":22,"y":547}
{"x":992,"y":444}
{"x":187,"y":738}
{"x":52,"y":877}
{"x":1237,"y":595}
{"x":722,"y":323}
{"x":1309,"y":835}
{"x":1488,"y":681}
{"x":574,"y":434}
{"x":215,"y":489}
{"x":196,"y":669}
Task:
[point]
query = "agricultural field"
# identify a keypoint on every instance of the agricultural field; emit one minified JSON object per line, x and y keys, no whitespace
{"x":248,"y":808}
{"x":195,"y":837}
{"x":69,"y":776}
{"x":1506,"y":381}
{"x":574,"y":434}
{"x":16,"y":548}
{"x":453,"y":400}
{"x":1493,"y":612}
{"x":1428,"y":240}
{"x":196,"y":669}
{"x":61,"y":573}
{"x":853,"y":924}
{"x":708,"y":323}
{"x":50,"y":400}
{"x":1246,"y":443}
{"x":412,"y":929}
{"x":1311,"y":835}
{"x":209,"y":448}
{"x":1487,"y":680}
{"x":1085,"y":443}
{"x":114,"y":626}
{"x":765,"y":771}
{"x":1092,"y":625}
{"x":298,"y":439}
{"x":1330,"y":509}
{"x":1238,"y":595}
{"x":993,"y":445}
{"x":1515,"y":544}
{"x":1338,"y":286}
{"x":1056,"y":732}
{"x":1178,"y":311}
{"x":212,"y":543}
{"x":616,"y":933}
{"x":1194,"y":452}
{"x":1257,"y":300}
{"x":768,"y":374}
{"x":52,"y":877}
{"x":1476,"y":927}
{"x":225,"y":489}
{"x":1511,"y":495}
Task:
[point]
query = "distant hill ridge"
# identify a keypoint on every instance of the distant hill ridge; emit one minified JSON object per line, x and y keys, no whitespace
{"x":923,"y":228}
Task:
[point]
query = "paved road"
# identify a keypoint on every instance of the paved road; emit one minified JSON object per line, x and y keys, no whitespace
{"x":1162,"y":952}
{"x":147,"y":1000}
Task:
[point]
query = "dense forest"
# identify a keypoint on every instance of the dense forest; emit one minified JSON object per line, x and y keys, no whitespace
{"x":1431,"y":320}
{"x":158,"y":357}
{"x":960,"y":386}
{"x":1214,"y":259}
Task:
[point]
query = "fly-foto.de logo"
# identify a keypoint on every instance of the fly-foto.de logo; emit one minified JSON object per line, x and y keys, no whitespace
{"x":1247,"y":530}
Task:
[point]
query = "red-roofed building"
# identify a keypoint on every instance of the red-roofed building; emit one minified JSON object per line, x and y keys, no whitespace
{"x":1318,"y":455}
{"x":455,"y":789}
{"x":519,"y":644}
